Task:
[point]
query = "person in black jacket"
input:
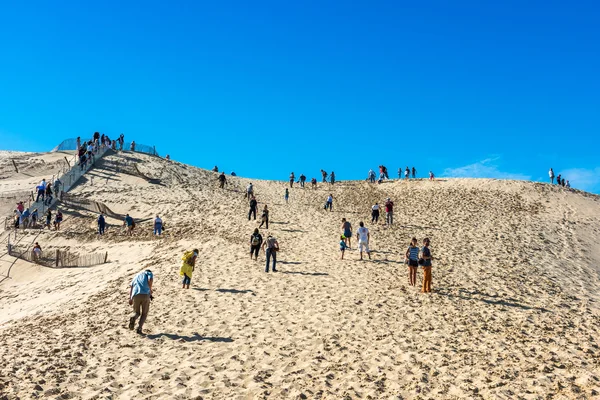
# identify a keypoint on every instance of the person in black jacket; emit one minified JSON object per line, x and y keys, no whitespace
{"x":253,"y":206}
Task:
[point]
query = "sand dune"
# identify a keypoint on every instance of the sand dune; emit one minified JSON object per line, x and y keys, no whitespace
{"x":514,"y":313}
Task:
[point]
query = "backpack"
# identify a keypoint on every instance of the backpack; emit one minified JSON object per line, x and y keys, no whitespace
{"x":255,"y":240}
{"x":187,"y":257}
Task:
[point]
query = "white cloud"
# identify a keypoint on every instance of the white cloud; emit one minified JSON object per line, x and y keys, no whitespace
{"x":487,"y":168}
{"x":584,"y":179}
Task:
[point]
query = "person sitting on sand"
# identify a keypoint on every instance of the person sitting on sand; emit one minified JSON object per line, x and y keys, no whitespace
{"x":347,"y":231}
{"x":271,"y":247}
{"x":426,"y":257}
{"x":101,"y":224}
{"x":140,"y":295}
{"x":343,"y":245}
{"x":37,"y":252}
{"x":256,"y":241}
{"x":363,"y":236}
{"x":265,"y":217}
{"x":412,"y":259}
{"x":130,"y":223}
{"x":187,"y":267}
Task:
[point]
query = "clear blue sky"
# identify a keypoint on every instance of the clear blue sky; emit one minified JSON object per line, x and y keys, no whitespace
{"x":466,"y":88}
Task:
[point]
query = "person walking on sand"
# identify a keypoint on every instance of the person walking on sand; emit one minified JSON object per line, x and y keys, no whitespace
{"x":347,"y":231}
{"x":253,"y":207}
{"x":140,"y":295}
{"x":313,"y":182}
{"x":324,"y":175}
{"x":264,"y":217}
{"x":558,"y":180}
{"x":101,"y":224}
{"x":371,"y":176}
{"x":412,"y":259}
{"x":271,"y":247}
{"x":158,"y":225}
{"x":375,"y":213}
{"x":343,"y":245}
{"x":48,"y":200}
{"x":426,"y":257}
{"x":332,"y":178}
{"x":130,"y":223}
{"x":292,"y":179}
{"x":34,"y":217}
{"x":57,"y":220}
{"x":48,"y":218}
{"x":562,"y":182}
{"x":187,"y":267}
{"x":329,"y":203}
{"x":222,"y":180}
{"x":37,"y":252}
{"x":41,"y":190}
{"x":363,"y":236}
{"x":431,"y":176}
{"x":286,"y":196}
{"x":302,"y":180}
{"x":389,"y":212}
{"x":256,"y":241}
{"x":250,"y":191}
{"x":414,"y":172}
{"x":551,"y":175}
{"x":406,"y":173}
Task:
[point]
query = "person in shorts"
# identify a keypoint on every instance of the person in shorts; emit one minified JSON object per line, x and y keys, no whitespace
{"x":412,"y":259}
{"x":363,"y":236}
{"x":343,"y":245}
{"x":347,"y":231}
{"x":256,"y":241}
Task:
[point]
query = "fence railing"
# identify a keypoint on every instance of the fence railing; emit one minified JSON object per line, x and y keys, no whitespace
{"x":57,"y":258}
{"x":89,"y":205}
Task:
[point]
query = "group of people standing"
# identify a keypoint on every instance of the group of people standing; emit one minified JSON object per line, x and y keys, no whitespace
{"x":559,"y":179}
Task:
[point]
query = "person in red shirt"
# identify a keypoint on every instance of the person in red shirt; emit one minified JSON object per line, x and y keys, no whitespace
{"x":389,"y":211}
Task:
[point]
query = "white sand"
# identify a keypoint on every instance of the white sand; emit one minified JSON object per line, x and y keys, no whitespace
{"x":514,"y":313}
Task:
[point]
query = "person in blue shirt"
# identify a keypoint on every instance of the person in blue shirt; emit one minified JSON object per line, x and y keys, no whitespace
{"x":101,"y":224}
{"x":140,"y":294}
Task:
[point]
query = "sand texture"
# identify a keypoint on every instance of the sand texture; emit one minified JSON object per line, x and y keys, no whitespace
{"x":514,"y":313}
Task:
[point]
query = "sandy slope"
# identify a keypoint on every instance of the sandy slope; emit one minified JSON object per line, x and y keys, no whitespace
{"x":514,"y":313}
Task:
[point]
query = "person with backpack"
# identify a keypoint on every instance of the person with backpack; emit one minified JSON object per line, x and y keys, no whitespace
{"x":271,"y":247}
{"x":425,"y":261}
{"x":140,"y":295}
{"x":187,"y":267}
{"x":551,"y":175}
{"x":347,"y":231}
{"x":253,"y":207}
{"x":265,"y":217}
{"x":130,"y":223}
{"x":412,"y":260}
{"x":222,"y":180}
{"x":292,"y":178}
{"x":256,"y":242}
{"x":101,"y":224}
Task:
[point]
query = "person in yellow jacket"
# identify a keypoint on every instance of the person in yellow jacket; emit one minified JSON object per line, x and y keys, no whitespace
{"x":188,"y":266}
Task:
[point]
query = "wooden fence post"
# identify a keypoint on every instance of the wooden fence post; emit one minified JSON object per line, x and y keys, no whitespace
{"x":68,"y":163}
{"x":15,"y":165}
{"x":57,"y":256}
{"x":106,"y":257}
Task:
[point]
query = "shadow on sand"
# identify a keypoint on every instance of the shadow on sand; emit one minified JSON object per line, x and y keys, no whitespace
{"x":305,"y":273}
{"x":196,"y":337}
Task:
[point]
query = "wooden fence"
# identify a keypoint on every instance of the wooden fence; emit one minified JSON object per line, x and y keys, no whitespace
{"x":57,"y":258}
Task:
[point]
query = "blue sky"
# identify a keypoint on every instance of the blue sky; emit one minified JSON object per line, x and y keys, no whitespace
{"x":467,"y":88}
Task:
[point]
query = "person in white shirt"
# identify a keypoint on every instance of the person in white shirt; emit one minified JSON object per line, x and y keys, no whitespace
{"x":375,"y":213}
{"x":249,"y":191}
{"x":551,"y":175}
{"x":363,"y":236}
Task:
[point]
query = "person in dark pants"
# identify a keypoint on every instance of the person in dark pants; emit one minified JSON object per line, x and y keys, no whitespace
{"x":48,"y":200}
{"x":101,"y":224}
{"x":222,"y":180}
{"x":265,"y":217}
{"x":271,"y":247}
{"x":375,"y":213}
{"x":256,"y":242}
{"x":253,"y":206}
{"x":302,"y":180}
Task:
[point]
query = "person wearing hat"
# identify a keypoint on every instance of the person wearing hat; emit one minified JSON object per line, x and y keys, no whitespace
{"x":271,"y":247}
{"x":389,"y":211}
{"x":140,"y":294}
